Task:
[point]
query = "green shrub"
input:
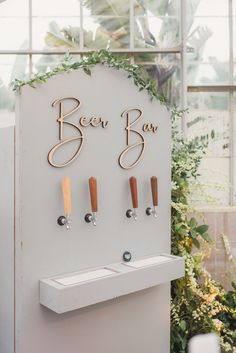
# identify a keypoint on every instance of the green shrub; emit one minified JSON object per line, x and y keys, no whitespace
{"x":199,"y":304}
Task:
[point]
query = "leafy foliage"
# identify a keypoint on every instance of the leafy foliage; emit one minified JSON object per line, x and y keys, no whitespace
{"x":103,"y":57}
{"x":199,"y":304}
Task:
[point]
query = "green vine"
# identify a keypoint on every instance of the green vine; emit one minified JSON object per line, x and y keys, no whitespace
{"x":102,"y":57}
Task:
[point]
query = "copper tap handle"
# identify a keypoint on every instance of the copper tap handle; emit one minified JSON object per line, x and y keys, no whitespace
{"x":93,"y":194}
{"x":134,"y":191}
{"x":66,"y":190}
{"x":154,"y":187}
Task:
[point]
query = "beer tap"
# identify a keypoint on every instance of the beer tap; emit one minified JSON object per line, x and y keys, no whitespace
{"x":66,"y":191}
{"x":92,"y":217}
{"x":154,"y":187}
{"x":134,"y":196}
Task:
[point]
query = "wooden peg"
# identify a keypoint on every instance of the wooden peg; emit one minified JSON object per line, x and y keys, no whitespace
{"x":134,"y":191}
{"x":93,"y":194}
{"x":66,"y":190}
{"x":154,"y":187}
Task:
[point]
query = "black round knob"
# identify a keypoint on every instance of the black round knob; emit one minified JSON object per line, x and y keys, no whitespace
{"x":127,"y":256}
{"x":88,"y":218}
{"x":148,"y":211}
{"x":61,"y":220}
{"x":129,"y":213}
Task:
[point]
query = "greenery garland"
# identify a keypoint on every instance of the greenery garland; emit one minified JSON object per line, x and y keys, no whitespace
{"x":199,"y":304}
{"x":103,"y":57}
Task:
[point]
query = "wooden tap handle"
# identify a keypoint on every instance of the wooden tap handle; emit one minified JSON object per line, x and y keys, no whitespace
{"x":66,"y":190}
{"x":134,"y":191}
{"x":93,"y":194}
{"x":154,"y":187}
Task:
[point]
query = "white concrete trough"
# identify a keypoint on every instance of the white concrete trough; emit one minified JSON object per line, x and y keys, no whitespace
{"x":77,"y":290}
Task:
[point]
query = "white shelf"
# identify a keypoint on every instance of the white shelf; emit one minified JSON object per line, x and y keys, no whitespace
{"x":77,"y":290}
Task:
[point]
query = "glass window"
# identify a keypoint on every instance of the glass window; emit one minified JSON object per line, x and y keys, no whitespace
{"x":106,"y":32}
{"x":209,"y":120}
{"x":157,"y":24}
{"x":103,"y":8}
{"x":106,"y":24}
{"x":165,"y":70}
{"x":14,"y":39}
{"x":207,"y":32}
{"x":44,"y":63}
{"x":14,"y":8}
{"x":14,"y":25}
{"x":213,"y":188}
{"x":212,"y":8}
{"x":55,"y":33}
{"x":55,"y":8}
{"x":11,"y":66}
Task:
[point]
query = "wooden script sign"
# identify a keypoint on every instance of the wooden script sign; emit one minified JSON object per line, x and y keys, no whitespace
{"x":132,"y":117}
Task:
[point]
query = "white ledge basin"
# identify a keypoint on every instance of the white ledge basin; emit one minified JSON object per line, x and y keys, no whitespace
{"x":155,"y":260}
{"x":84,"y":277}
{"x":73,"y":291}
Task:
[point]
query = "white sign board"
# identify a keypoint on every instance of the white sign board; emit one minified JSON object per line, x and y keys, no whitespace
{"x":76,"y":126}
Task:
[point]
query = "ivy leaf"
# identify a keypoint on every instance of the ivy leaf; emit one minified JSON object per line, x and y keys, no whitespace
{"x":182,"y":232}
{"x":87,"y":70}
{"x":202,"y":229}
{"x":31,"y":84}
{"x":178,"y":226}
{"x":206,"y":237}
{"x":192,"y":222}
{"x":196,"y":243}
{"x":183,"y":325}
{"x":193,"y":233}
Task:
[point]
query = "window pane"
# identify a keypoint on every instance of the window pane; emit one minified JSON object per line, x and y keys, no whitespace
{"x":106,"y":24}
{"x":45,"y":63}
{"x":212,"y":73}
{"x":206,"y":36}
{"x":157,"y":7}
{"x":54,"y":8}
{"x":57,"y":33}
{"x":213,"y":187}
{"x":14,"y":8}
{"x":11,"y":67}
{"x":208,"y":30}
{"x":112,"y":8}
{"x":234,"y":8}
{"x":103,"y":32}
{"x":209,"y":120}
{"x":211,"y":8}
{"x":14,"y":33}
{"x":157,"y":24}
{"x":165,"y":70}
